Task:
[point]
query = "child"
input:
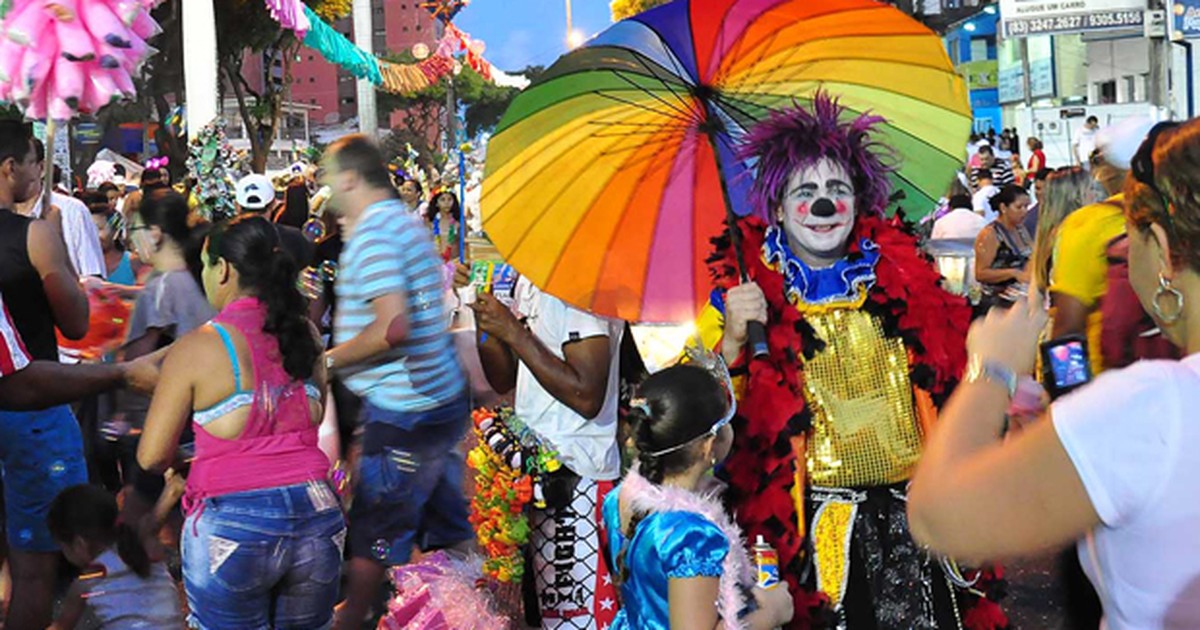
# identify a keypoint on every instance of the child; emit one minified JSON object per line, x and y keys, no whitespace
{"x":121,"y":584}
{"x":679,"y":556}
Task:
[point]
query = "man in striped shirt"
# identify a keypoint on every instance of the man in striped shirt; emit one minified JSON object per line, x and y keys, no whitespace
{"x":393,"y":349}
{"x":1002,"y":173}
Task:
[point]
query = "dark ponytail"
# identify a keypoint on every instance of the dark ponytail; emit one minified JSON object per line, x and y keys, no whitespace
{"x":90,"y":512}
{"x":168,"y":210}
{"x":251,"y":244}
{"x":674,"y":408}
{"x":1007,"y":196}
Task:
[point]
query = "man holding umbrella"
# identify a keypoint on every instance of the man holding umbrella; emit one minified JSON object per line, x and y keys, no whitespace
{"x":862,"y":344}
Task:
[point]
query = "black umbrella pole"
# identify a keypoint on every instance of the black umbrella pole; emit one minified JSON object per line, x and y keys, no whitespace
{"x":756,"y":333}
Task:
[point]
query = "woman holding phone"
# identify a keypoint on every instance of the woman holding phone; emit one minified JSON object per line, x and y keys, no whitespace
{"x":1111,"y":467}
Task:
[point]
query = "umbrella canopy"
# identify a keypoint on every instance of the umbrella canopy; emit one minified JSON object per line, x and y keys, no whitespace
{"x":604,"y":180}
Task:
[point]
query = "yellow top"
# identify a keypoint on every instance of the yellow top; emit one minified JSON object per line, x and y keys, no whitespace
{"x":1081,"y":265}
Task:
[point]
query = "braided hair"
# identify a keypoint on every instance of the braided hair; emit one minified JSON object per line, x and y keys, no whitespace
{"x":676,"y":406}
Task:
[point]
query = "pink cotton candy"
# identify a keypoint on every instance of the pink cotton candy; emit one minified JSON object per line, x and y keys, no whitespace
{"x":441,"y":593}
{"x":59,"y":58}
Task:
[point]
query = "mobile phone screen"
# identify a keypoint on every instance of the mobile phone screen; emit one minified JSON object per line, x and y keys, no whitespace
{"x":1068,"y":363}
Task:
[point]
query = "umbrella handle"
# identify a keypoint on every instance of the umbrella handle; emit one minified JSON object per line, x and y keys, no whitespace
{"x":756,"y":340}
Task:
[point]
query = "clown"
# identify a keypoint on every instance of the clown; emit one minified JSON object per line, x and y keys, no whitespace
{"x":863,"y":344}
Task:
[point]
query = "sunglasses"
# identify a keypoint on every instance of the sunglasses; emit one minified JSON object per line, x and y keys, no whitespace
{"x":1142,"y":164}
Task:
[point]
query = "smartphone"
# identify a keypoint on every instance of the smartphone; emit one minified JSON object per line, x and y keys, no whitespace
{"x":1065,"y":365}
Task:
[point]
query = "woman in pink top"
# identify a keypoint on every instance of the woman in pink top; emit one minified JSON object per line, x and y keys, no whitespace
{"x":262,"y":544}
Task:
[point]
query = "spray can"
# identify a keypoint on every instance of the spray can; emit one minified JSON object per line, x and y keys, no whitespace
{"x":767,"y":560}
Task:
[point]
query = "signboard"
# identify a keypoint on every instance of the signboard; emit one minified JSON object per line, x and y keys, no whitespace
{"x":1184,"y":22}
{"x":1022,"y":18}
{"x":980,"y":75}
{"x":88,"y":133}
{"x":62,"y":146}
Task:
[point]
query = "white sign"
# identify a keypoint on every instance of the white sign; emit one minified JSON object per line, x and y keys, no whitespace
{"x":1022,"y":18}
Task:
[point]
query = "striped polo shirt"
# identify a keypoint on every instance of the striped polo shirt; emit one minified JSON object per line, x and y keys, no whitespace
{"x":13,"y":356}
{"x":391,"y":251}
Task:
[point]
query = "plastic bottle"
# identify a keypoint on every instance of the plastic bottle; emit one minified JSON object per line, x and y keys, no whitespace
{"x":767,"y":560}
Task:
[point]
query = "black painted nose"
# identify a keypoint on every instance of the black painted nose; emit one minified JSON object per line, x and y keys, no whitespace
{"x":823,"y":208}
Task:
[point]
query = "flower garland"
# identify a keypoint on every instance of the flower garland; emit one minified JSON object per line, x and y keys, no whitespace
{"x":509,"y":461}
{"x":910,"y":304}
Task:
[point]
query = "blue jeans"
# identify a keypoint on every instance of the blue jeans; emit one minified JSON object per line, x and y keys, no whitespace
{"x":264,"y":559}
{"x":409,"y":486}
{"x":42,"y":454}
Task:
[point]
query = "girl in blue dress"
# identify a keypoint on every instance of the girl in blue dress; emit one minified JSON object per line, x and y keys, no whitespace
{"x":680,"y":558}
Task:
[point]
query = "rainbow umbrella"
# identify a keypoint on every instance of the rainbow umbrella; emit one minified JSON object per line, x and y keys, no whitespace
{"x":606,"y":180}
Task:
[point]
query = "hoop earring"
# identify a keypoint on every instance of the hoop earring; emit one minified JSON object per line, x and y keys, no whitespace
{"x":1165,"y":289}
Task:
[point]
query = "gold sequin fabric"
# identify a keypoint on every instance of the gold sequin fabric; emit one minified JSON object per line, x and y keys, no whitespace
{"x":864,"y":430}
{"x":832,"y":526}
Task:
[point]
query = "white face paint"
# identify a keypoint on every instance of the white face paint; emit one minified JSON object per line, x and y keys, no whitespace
{"x":818,"y":211}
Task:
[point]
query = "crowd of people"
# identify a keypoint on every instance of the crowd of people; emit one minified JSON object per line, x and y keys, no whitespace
{"x":865,"y":444}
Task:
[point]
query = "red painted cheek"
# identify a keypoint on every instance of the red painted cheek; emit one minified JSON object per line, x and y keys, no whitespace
{"x":801,"y":210}
{"x":842,"y":207}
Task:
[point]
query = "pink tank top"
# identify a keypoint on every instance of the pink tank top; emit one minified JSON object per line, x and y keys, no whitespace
{"x":278,"y":447}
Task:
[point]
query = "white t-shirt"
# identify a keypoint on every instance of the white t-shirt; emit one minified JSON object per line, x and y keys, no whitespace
{"x":79,"y":233}
{"x":1132,"y":438}
{"x":1085,"y":143}
{"x":588,"y":447}
{"x":982,"y":202}
{"x":960,"y":223}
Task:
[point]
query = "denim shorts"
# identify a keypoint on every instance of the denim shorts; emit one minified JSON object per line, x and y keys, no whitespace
{"x":42,"y":455}
{"x":264,"y":559}
{"x":409,"y":484}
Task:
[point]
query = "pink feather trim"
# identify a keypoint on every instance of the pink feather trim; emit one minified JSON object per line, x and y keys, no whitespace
{"x":641,"y":496}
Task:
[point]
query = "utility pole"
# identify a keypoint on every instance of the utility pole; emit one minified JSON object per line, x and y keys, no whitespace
{"x":364,"y":38}
{"x":1026,"y":78}
{"x":1159,"y":89}
{"x":200,"y":63}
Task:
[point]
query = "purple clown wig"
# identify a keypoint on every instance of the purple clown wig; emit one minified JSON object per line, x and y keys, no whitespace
{"x":798,"y":137}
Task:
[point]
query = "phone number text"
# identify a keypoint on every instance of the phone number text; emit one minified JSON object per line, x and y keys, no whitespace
{"x":1070,"y":23}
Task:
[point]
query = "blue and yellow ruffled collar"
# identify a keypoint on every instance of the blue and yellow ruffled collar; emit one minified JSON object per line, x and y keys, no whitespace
{"x":843,"y":285}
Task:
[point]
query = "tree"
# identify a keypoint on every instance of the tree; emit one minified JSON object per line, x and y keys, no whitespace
{"x":247,"y":26}
{"x":622,"y":9}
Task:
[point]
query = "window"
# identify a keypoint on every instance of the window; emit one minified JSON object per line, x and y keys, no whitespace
{"x":405,"y":29}
{"x":312,"y":79}
{"x":418,"y":27}
{"x":310,"y":57}
{"x":1106,"y":92}
{"x":979,"y":48}
{"x":348,"y":100}
{"x":312,"y":101}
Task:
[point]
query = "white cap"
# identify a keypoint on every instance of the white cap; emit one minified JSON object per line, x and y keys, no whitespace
{"x":255,"y":192}
{"x":1119,"y":143}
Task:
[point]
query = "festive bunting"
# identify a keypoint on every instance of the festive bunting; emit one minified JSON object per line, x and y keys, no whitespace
{"x":444,"y":10}
{"x":291,"y":14}
{"x":392,"y":77}
{"x":340,"y":51}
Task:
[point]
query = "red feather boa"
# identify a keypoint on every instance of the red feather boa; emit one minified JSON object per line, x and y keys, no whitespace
{"x":911,"y":304}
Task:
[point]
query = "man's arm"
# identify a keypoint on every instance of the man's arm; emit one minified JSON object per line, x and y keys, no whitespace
{"x":44,"y":384}
{"x":68,"y":302}
{"x":498,"y":361}
{"x":579,"y":380}
{"x":386,"y":331}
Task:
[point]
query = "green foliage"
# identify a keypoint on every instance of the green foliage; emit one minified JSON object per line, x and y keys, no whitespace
{"x":622,"y":9}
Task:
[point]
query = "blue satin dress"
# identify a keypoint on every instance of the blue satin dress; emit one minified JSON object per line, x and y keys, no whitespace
{"x":666,"y":545}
